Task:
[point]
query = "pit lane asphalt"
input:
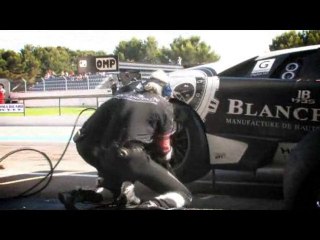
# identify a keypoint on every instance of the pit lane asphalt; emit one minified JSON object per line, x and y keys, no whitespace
{"x":23,"y":169}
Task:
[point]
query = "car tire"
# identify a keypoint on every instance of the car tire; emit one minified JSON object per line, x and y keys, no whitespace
{"x":190,"y":160}
{"x":301,"y":186}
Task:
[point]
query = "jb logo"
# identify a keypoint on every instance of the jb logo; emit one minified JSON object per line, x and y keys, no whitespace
{"x":304,"y":96}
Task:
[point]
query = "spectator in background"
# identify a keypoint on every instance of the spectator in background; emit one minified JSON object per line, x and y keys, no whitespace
{"x":136,"y":77}
{"x":114,"y":86}
{"x":2,"y":94}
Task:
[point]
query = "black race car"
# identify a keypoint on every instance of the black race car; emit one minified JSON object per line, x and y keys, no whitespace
{"x":259,"y":116}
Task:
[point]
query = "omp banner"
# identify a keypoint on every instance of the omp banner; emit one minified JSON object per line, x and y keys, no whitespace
{"x":95,"y":64}
{"x":11,"y":108}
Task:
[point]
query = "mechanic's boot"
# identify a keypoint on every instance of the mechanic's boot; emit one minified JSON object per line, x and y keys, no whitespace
{"x":68,"y":199}
{"x":127,"y":196}
{"x":167,"y":201}
{"x":150,"y":205}
{"x":88,"y":196}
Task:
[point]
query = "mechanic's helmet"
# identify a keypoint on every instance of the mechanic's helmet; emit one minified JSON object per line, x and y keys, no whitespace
{"x":159,"y":84}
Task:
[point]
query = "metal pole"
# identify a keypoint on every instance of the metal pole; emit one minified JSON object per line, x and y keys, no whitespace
{"x":59,"y":106}
{"x":44,"y":85}
{"x":24,"y":108}
{"x":66,"y":83}
{"x":25,"y":85}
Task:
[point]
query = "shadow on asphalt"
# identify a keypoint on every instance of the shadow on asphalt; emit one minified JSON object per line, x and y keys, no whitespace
{"x":205,"y":197}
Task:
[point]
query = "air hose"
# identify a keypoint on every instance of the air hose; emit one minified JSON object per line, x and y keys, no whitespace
{"x":48,"y":177}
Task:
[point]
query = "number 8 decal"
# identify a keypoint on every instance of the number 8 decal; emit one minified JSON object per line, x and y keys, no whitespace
{"x":290,"y":68}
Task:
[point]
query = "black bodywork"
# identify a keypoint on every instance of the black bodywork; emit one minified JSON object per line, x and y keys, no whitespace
{"x":265,"y":108}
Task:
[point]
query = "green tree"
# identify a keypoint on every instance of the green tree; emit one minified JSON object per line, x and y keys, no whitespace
{"x":34,"y":62}
{"x":286,"y":40}
{"x":293,"y":39}
{"x":312,"y":37}
{"x":191,"y":50}
{"x":151,"y":51}
{"x":31,"y":63}
{"x":131,"y":51}
{"x":56,"y":59}
{"x":11,"y":65}
{"x":3,"y":63}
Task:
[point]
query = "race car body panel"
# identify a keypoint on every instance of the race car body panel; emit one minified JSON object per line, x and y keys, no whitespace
{"x":255,"y":112}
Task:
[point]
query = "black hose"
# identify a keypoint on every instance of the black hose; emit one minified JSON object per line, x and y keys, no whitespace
{"x":49,"y":175}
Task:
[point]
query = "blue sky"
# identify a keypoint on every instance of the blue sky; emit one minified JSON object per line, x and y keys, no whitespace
{"x":232,"y":45}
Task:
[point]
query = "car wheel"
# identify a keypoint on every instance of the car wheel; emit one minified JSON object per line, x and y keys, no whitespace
{"x":302,"y":174}
{"x":190,"y":160}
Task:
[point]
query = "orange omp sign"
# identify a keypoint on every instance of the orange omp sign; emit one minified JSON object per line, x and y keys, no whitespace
{"x":95,"y":64}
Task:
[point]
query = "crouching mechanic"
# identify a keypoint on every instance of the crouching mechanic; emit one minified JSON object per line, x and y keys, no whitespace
{"x":128,"y":139}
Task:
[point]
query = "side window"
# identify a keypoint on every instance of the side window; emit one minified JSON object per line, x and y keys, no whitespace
{"x":303,"y":66}
{"x":288,"y":66}
{"x":241,"y":70}
{"x":310,"y":71}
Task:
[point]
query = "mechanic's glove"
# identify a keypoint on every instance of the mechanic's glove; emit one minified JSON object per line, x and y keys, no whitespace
{"x":127,"y":197}
{"x":167,"y":157}
{"x":165,"y":160}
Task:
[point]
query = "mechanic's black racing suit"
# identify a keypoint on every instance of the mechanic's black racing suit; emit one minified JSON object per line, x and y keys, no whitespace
{"x":126,"y":139}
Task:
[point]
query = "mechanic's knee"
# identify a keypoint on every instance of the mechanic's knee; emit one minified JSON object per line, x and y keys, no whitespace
{"x":99,"y":182}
